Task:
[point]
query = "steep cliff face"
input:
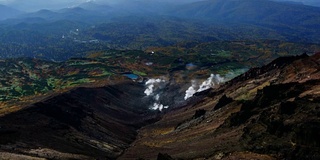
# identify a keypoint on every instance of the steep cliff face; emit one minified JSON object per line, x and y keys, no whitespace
{"x":267,"y":113}
{"x":84,"y":123}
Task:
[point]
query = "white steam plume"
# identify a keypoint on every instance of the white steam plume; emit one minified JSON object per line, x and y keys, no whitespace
{"x":207,"y":84}
{"x":153,"y":86}
{"x":158,"y":106}
{"x":210,"y":82}
{"x":191,"y":90}
{"x":150,"y":85}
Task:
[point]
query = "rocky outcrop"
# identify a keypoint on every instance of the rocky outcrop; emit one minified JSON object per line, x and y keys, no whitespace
{"x":280,"y":122}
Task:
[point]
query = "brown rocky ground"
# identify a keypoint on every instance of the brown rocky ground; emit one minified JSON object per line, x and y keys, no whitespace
{"x":267,"y":113}
{"x":273,"y":113}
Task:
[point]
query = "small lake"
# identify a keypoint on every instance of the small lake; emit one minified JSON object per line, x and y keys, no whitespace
{"x":131,"y":76}
{"x":190,"y":66}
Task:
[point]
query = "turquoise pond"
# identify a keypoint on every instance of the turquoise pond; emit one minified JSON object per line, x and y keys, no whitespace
{"x":190,"y":65}
{"x":131,"y":76}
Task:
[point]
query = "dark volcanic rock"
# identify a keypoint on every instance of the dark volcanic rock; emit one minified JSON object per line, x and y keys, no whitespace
{"x":277,"y":124}
{"x":199,"y":113}
{"x":164,"y":157}
{"x":223,"y":101}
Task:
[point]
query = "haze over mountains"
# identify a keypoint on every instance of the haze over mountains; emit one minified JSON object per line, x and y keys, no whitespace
{"x":34,"y":5}
{"x":8,"y":12}
{"x":152,"y":23}
{"x":306,"y":2}
{"x":164,"y":7}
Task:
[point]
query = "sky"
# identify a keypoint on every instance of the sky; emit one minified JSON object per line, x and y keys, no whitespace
{"x":33,"y":5}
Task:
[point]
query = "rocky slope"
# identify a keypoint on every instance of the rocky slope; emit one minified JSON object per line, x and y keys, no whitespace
{"x":84,"y":123}
{"x":267,"y":113}
{"x":270,"y":112}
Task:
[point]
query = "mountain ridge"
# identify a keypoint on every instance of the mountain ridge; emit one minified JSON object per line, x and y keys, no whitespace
{"x":8,"y":12}
{"x":260,"y":11}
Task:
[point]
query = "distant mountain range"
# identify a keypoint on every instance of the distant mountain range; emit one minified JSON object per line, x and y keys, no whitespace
{"x":306,"y":2}
{"x":102,"y":8}
{"x":34,"y":5}
{"x":7,"y":12}
{"x":251,"y":11}
{"x":141,"y":24}
{"x":231,"y":11}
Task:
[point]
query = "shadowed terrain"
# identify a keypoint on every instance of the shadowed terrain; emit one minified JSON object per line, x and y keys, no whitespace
{"x":84,"y":122}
